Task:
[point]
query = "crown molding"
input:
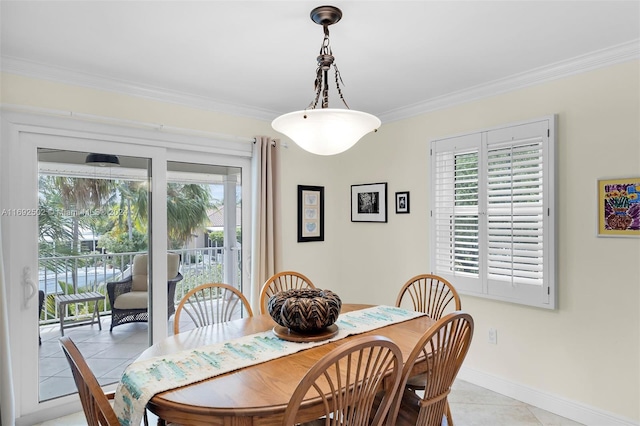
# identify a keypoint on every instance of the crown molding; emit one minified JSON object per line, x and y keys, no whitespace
{"x":617,"y":54}
{"x":18,"y":66}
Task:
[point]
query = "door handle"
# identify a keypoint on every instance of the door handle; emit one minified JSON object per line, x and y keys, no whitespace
{"x":30,"y":288}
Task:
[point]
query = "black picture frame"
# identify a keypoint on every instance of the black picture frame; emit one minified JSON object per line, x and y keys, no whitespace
{"x":310,"y":213}
{"x":369,"y":202}
{"x":402,"y":202}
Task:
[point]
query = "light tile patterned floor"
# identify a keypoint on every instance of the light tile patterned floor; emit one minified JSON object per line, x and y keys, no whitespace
{"x":471,"y":406}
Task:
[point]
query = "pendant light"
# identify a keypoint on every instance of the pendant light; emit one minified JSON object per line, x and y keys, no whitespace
{"x":326,"y":131}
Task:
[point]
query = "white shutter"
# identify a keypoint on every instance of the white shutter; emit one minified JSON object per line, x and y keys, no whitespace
{"x":455,"y":213}
{"x":515,"y":212}
{"x":493,"y":227}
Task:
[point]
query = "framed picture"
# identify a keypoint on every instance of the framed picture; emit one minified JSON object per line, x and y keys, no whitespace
{"x":310,"y":213}
{"x":402,"y":202}
{"x":619,"y":207}
{"x":369,"y":202}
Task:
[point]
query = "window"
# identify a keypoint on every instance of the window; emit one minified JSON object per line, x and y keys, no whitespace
{"x":492,"y":218}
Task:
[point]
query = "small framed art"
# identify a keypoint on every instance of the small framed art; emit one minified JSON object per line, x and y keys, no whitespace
{"x":310,"y":213}
{"x":619,"y":207}
{"x":369,"y":202}
{"x":402,"y":202}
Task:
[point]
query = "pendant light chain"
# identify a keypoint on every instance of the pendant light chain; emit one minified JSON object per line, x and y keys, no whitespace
{"x":321,"y":84}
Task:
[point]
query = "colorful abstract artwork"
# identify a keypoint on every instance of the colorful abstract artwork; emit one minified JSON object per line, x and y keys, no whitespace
{"x":619,"y":207}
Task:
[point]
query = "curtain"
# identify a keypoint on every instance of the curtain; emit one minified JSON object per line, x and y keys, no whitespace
{"x":265,"y":205}
{"x":7,"y":403}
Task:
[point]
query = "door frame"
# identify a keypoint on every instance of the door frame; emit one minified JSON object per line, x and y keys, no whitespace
{"x":22,"y":134}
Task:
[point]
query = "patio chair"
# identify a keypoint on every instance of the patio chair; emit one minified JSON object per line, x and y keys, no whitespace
{"x":95,"y":403}
{"x":344,"y":383}
{"x":40,"y":306}
{"x":443,"y":347}
{"x":286,"y":280}
{"x":211,"y":304}
{"x":129,"y":298}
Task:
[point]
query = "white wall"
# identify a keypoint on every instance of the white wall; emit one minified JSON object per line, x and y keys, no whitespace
{"x":587,"y":351}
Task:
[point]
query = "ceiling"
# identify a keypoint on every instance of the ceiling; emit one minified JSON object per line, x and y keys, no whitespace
{"x":258,"y":58}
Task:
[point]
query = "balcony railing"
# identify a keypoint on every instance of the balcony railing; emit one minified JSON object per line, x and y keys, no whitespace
{"x":91,"y":272}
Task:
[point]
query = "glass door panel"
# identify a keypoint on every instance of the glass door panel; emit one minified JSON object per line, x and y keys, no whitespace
{"x":204,"y":218}
{"x":93,"y":220}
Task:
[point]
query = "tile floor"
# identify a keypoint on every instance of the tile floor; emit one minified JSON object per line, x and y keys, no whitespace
{"x":107,"y":353}
{"x":471,"y":405}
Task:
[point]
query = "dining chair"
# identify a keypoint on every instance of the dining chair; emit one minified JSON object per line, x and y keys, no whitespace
{"x":441,"y":349}
{"x":286,"y":280}
{"x":343,"y":384}
{"x":432,"y":295}
{"x":211,"y":303}
{"x":95,"y":403}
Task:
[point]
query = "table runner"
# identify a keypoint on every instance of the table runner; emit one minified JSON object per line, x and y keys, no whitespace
{"x":141,"y":380}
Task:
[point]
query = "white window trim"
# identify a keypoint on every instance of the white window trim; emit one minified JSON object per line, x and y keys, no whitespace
{"x":545,"y":295}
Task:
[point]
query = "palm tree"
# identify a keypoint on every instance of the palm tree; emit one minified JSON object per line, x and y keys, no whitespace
{"x":67,"y":203}
{"x":187,"y":208}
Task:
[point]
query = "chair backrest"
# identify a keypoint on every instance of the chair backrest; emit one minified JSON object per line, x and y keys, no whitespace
{"x":139,"y":273}
{"x":430,"y":294}
{"x":443,"y":348}
{"x":286,"y":280}
{"x":95,"y":403}
{"x":343,"y":384}
{"x":140,"y":270}
{"x":210,"y":304}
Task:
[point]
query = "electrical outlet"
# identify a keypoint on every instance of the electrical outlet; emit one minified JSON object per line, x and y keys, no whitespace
{"x":493,"y":336}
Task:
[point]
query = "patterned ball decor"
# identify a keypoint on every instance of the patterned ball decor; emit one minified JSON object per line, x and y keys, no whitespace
{"x":305,"y":310}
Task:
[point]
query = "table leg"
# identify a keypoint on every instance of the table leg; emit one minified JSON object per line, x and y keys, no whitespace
{"x":97,"y":315}
{"x":61,"y":308}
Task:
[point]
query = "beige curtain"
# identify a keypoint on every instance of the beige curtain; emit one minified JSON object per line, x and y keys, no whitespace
{"x":265,"y":207}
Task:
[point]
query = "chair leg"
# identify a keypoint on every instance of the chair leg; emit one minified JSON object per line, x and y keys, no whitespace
{"x":448,"y":414}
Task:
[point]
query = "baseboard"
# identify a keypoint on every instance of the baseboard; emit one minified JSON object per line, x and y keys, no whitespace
{"x":561,"y":406}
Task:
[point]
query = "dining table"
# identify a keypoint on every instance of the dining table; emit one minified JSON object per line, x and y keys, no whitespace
{"x":257,"y":394}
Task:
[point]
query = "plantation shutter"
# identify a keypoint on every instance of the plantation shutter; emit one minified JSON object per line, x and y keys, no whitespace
{"x":514,"y":212}
{"x":492,"y":227}
{"x":516,"y":217}
{"x":456,"y":194}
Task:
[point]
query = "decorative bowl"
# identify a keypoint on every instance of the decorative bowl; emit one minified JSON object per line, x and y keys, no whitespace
{"x":308,"y":310}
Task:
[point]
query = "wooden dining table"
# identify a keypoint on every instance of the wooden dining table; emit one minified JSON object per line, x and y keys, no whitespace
{"x":255,"y":395}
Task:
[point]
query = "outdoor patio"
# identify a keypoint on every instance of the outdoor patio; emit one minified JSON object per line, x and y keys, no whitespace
{"x":107,"y":353}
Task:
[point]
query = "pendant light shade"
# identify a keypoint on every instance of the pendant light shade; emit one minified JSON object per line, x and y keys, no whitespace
{"x":102,"y":160}
{"x":326,"y":131}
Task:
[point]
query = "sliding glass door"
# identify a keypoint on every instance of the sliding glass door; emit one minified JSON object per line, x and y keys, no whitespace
{"x":93,"y":221}
{"x":71,"y":228}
